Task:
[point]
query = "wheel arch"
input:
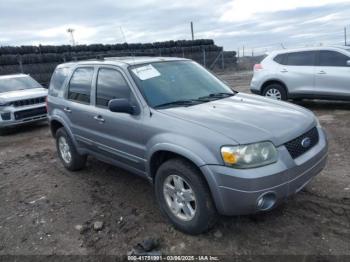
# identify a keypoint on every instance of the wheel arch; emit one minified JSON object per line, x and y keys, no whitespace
{"x":56,"y":123}
{"x":160,"y":154}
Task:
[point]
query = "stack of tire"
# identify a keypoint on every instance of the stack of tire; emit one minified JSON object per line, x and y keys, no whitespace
{"x":40,"y":61}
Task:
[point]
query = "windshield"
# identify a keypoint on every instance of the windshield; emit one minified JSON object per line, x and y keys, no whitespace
{"x":173,"y":83}
{"x":17,"y":83}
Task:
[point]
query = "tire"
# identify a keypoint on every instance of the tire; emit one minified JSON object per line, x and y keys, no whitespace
{"x":5,"y":131}
{"x":76,"y":161}
{"x":274,"y":88}
{"x":205,"y":214}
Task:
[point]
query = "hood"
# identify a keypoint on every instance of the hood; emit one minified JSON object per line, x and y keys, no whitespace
{"x":22,"y":94}
{"x":249,"y":118}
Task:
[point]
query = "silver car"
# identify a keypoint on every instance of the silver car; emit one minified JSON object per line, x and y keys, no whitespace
{"x":22,"y":101}
{"x":313,"y":73}
{"x":205,"y":148}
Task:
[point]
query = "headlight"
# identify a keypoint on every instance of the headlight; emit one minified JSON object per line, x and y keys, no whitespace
{"x":318,"y":124}
{"x":249,"y":156}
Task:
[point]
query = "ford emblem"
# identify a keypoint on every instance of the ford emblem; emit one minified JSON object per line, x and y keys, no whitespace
{"x":306,"y":142}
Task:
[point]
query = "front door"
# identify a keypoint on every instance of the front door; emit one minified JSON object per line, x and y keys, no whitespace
{"x":117,"y":135}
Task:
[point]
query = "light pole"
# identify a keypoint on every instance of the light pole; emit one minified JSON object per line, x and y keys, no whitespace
{"x":70,"y":31}
{"x":345,"y":36}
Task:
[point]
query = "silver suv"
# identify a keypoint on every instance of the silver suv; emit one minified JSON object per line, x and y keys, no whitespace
{"x":205,"y":148}
{"x":22,"y":101}
{"x":315,"y":73}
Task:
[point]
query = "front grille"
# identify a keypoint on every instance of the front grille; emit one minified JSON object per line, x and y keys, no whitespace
{"x":28,"y":102}
{"x":30,"y":113}
{"x":295,"y":147}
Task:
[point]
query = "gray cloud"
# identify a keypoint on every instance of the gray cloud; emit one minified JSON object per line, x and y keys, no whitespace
{"x":45,"y":22}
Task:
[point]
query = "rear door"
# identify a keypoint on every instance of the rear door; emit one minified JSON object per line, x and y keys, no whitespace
{"x":297,"y":70}
{"x":332,"y":76}
{"x":77,"y":105}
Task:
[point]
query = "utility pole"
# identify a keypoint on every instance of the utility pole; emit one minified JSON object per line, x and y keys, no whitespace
{"x":243,"y":52}
{"x":70,"y":31}
{"x":192,"y":34}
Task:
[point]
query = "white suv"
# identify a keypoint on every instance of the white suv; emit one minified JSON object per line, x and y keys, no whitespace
{"x":316,"y":73}
{"x":22,"y":101}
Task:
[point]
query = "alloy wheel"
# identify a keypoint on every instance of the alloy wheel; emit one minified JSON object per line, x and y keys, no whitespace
{"x":64,"y":150}
{"x":273,"y":93}
{"x":179,"y":197}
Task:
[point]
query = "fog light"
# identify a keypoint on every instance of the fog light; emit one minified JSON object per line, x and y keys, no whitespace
{"x":6,"y":116}
{"x":260,"y":202}
{"x":266,"y":201}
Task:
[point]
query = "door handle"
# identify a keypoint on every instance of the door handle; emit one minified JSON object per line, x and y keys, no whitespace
{"x":322,"y":72}
{"x":99,"y":119}
{"x":67,"y":109}
{"x":284,"y":71}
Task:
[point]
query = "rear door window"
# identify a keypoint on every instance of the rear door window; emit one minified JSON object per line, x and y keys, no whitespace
{"x":80,"y":85}
{"x":332,"y":58}
{"x":306,"y":58}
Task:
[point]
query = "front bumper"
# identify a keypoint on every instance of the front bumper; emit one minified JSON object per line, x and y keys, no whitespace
{"x":237,"y":191}
{"x":16,"y":119}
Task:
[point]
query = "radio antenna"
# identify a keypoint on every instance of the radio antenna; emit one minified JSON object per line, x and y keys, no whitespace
{"x":124,"y":37}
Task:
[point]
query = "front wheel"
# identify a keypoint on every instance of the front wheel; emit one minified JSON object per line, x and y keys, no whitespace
{"x":276,"y":92}
{"x":184,"y":197}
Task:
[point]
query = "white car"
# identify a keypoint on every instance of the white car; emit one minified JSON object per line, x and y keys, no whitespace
{"x":316,"y":73}
{"x":22,"y":100}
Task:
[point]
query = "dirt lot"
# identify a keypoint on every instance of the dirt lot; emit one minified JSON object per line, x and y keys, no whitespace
{"x":48,"y":210}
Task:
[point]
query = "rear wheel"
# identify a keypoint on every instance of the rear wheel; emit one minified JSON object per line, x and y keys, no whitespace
{"x":276,"y":92}
{"x":184,"y":197}
{"x":67,"y":152}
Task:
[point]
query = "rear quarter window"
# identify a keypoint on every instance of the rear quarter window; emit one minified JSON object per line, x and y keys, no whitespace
{"x":57,"y":80}
{"x":281,"y":59}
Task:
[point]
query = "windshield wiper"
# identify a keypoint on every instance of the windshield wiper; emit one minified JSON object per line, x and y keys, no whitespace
{"x":188,"y":102}
{"x":217,"y":96}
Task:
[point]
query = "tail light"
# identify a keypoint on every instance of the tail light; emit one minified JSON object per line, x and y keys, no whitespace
{"x":258,"y":67}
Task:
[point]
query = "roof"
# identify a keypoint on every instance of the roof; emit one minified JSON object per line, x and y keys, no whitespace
{"x":124,"y":61}
{"x":314,"y":48}
{"x":12,"y":76}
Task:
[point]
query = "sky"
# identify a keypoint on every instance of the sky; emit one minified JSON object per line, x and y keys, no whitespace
{"x":258,"y":25}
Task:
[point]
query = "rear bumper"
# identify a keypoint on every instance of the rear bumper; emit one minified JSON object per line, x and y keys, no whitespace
{"x":237,"y":191}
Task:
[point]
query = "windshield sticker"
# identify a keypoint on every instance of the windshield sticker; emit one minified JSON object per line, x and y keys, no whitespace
{"x":146,"y":72}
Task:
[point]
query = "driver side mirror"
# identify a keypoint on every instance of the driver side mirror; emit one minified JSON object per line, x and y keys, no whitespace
{"x":121,"y":106}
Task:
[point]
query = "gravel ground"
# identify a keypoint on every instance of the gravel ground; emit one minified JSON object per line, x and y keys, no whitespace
{"x":46,"y":209}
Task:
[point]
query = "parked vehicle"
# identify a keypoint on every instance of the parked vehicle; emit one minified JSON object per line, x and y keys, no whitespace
{"x":205,"y":148}
{"x":316,"y":73}
{"x":22,"y":100}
